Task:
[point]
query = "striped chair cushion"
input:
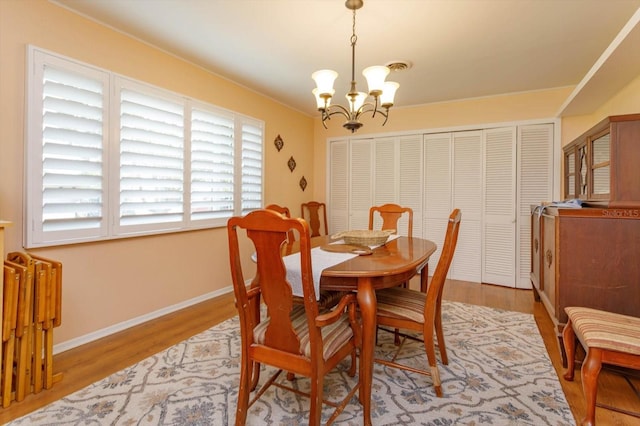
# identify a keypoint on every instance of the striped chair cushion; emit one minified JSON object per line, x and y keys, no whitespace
{"x":328,"y":298}
{"x":334,"y":336}
{"x":398,"y":302}
{"x":606,"y":330}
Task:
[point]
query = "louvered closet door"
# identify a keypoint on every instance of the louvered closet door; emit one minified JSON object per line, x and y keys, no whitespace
{"x":360,"y":182}
{"x":338,"y":205}
{"x":410,"y":175}
{"x":398,"y":178}
{"x":535,"y":185}
{"x":437,"y":191}
{"x":467,"y":196}
{"x":499,"y":236}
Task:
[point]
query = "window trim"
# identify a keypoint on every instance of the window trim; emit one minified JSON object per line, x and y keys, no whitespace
{"x":110,"y":227}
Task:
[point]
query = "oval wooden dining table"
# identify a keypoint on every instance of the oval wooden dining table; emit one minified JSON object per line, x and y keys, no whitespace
{"x":389,"y":265}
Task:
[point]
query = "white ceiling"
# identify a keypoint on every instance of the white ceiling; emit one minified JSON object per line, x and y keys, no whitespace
{"x":459,"y":48}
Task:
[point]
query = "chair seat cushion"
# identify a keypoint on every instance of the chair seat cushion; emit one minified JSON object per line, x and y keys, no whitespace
{"x":398,"y":302}
{"x":606,"y":330}
{"x":334,"y":336}
{"x":327,"y":299}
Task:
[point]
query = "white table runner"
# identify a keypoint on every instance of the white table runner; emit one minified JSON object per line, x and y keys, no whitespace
{"x":320,"y":260}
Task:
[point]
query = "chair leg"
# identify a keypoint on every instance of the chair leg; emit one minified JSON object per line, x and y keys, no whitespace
{"x":354,"y":366}
{"x":243,"y":391}
{"x":590,"y":371}
{"x":569,"y":343}
{"x":316,"y":400}
{"x":440,"y":335}
{"x":430,"y":349}
{"x":437,"y":384}
{"x":255,"y":375}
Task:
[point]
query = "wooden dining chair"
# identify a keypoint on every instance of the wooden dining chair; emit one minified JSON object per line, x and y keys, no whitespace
{"x":299,"y":338}
{"x":391,"y":215}
{"x":315,"y":213}
{"x":286,"y":213}
{"x":403,"y":308}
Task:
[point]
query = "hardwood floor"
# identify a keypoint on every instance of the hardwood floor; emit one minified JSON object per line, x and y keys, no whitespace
{"x":86,"y":364}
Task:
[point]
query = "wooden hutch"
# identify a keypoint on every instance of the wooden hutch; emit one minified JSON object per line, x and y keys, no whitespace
{"x":590,"y":256}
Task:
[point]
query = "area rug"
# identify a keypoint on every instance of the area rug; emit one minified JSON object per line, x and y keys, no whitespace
{"x":499,"y":373}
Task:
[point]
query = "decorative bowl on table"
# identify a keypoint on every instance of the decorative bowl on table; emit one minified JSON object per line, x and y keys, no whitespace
{"x":364,"y":237}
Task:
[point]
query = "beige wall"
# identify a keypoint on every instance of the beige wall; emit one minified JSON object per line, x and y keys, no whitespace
{"x":108,"y":283}
{"x":627,"y":101}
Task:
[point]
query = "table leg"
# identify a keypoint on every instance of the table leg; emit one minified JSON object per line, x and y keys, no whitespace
{"x":424,"y":278}
{"x":367,"y":302}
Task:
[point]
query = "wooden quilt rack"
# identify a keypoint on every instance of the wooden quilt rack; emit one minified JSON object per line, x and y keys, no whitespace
{"x":32,"y":296}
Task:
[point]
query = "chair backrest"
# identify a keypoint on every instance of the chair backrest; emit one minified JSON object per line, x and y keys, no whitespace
{"x":434,"y":292}
{"x":268,"y":231}
{"x":391,"y":214}
{"x":286,"y":213}
{"x":315,"y":213}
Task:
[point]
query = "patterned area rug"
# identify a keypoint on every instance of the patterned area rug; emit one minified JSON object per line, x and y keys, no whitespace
{"x":499,"y":373}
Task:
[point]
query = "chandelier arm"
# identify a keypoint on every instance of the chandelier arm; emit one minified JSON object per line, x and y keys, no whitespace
{"x":337,"y":109}
{"x":369,"y":107}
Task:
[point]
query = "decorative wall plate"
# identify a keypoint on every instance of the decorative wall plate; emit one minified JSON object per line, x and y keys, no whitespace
{"x":292,"y":164}
{"x":303,"y":183}
{"x":278,"y":142}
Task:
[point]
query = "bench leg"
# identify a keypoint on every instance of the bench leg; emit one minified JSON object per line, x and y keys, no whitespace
{"x":569,"y":342}
{"x":590,"y":371}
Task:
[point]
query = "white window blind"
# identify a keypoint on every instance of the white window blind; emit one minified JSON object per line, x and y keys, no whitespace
{"x":151,"y":159}
{"x":109,"y":157}
{"x":212,"y":165}
{"x":251,"y":167}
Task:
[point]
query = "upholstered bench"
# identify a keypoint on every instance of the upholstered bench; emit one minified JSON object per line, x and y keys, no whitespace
{"x":608,"y":338}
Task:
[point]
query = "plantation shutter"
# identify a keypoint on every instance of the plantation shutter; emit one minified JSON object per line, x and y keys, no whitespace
{"x":151,"y":170}
{"x":212,"y":165}
{"x":66,"y":179}
{"x":251,"y":167}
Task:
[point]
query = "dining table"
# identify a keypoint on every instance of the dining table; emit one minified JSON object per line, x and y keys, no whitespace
{"x":387,"y":265}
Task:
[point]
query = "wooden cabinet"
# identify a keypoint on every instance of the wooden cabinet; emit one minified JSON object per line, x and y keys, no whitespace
{"x":585,"y":257}
{"x":601,"y":166}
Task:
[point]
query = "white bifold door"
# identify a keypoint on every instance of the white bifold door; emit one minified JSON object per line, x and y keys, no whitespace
{"x":492,"y":175}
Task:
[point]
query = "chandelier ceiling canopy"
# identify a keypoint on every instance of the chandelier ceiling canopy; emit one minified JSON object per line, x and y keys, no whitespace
{"x":380,"y":90}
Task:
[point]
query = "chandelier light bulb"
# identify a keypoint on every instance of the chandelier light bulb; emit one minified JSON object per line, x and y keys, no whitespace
{"x":324,"y":81}
{"x":322,"y":102}
{"x":388,"y":93}
{"x":375,"y":76}
{"x":356,"y":102}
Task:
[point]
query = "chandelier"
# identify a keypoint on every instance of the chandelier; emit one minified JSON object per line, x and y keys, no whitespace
{"x":381,"y":91}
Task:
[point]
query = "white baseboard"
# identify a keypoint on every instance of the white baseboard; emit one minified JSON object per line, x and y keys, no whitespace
{"x":78,"y":341}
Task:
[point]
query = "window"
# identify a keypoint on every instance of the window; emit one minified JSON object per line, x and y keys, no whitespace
{"x":109,"y":157}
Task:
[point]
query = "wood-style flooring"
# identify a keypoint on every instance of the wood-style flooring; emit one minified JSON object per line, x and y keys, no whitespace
{"x":86,"y":364}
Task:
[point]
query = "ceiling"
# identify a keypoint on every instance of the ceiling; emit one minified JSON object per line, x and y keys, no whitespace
{"x":459,"y":49}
